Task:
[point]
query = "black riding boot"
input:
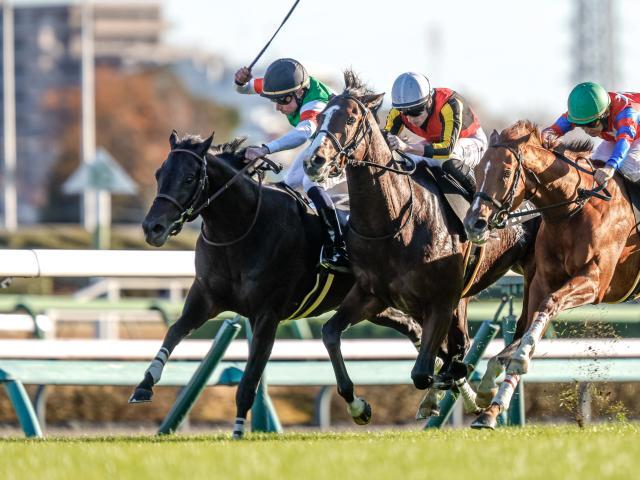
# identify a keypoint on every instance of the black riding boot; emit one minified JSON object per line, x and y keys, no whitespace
{"x":462,"y":173}
{"x":334,"y":251}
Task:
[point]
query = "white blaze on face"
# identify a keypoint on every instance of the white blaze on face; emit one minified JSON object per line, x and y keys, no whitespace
{"x":328,"y":113}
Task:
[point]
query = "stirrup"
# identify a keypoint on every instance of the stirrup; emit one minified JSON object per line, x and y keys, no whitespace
{"x":337,"y":262}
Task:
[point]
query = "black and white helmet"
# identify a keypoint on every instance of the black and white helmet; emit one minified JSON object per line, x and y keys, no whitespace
{"x":283,"y":77}
{"x":410,"y":90}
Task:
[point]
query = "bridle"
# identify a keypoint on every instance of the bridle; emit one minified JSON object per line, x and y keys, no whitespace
{"x":503,"y":208}
{"x":364,"y":132}
{"x":191,"y":210}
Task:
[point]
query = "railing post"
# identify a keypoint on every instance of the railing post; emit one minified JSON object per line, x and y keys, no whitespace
{"x":23,"y":407}
{"x":192,"y":390}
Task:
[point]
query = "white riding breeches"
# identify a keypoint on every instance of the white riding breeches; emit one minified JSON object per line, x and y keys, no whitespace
{"x":297,"y":178}
{"x":469,"y":150}
{"x":630,"y":166}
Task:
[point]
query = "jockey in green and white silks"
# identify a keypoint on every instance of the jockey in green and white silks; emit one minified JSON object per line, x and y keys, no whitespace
{"x":300,"y":98}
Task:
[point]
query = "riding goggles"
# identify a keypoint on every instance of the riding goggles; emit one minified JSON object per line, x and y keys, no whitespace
{"x":414,"y":111}
{"x":282,"y":100}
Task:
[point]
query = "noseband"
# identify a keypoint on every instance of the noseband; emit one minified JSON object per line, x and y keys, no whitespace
{"x":504,"y":208}
{"x":191,"y":211}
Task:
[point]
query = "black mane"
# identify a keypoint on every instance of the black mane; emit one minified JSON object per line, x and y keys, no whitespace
{"x":354,"y":86}
{"x":579,"y":146}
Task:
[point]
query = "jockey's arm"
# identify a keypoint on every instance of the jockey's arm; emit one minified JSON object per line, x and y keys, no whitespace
{"x":294,"y":138}
{"x":451,"y":115}
{"x":252,"y":86}
{"x":626,"y":126}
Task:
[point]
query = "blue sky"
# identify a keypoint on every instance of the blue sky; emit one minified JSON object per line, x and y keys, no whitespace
{"x":513,"y":56}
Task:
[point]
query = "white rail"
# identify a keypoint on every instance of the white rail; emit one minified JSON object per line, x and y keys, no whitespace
{"x":96,"y":263}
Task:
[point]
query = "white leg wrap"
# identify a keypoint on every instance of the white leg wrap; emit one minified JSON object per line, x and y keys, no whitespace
{"x":155,"y":369}
{"x":238,"y":428}
{"x":438,"y":365}
{"x":468,"y":396}
{"x":429,"y":403}
{"x":532,"y":337}
{"x":494,"y":370}
{"x":505,"y":392}
{"x":356,"y":407}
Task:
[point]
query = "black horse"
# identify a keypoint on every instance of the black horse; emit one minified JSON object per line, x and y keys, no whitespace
{"x":257,"y":255}
{"x":406,"y":251}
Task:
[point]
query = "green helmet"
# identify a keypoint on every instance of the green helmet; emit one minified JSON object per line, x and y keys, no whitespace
{"x":588,"y":101}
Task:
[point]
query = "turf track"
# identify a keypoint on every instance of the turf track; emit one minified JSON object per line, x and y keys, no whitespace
{"x":541,"y":453}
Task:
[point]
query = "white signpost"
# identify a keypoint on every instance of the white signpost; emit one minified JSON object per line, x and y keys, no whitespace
{"x":105,"y":176}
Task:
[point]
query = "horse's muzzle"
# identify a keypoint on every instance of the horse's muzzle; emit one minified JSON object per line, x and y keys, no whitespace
{"x":477,"y":229}
{"x":155,"y":233}
{"x":315,"y":167}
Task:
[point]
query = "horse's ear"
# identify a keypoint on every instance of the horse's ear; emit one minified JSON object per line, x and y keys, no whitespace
{"x":173,"y":139}
{"x":373,"y":102}
{"x":203,"y":148}
{"x":494,"y":137}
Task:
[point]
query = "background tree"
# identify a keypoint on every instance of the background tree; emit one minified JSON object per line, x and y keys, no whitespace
{"x":135,"y":113}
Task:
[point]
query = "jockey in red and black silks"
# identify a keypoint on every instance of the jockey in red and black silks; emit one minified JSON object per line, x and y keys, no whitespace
{"x":445,"y":122}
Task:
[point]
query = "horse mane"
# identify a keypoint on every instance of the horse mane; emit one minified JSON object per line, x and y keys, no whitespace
{"x":522,"y":128}
{"x":231,"y":148}
{"x":354,"y":86}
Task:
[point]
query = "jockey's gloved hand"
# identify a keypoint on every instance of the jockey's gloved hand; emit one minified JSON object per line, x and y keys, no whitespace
{"x":242,"y":76}
{"x":253,"y":153}
{"x":603,"y":175}
{"x":550,"y":138}
{"x":395,"y":143}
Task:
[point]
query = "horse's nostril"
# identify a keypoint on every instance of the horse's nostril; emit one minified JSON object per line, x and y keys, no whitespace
{"x":317,"y":160}
{"x":480,"y":224}
{"x":157,"y":229}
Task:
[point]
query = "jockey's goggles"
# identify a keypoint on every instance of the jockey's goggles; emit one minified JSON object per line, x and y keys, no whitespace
{"x":282,"y":100}
{"x":594,"y":124}
{"x":414,"y":111}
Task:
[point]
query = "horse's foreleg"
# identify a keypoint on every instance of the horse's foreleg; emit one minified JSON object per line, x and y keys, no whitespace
{"x":197,"y":309}
{"x":400,"y":322}
{"x":435,"y":325}
{"x":264,"y":335}
{"x":356,"y":305}
{"x":579,"y":290}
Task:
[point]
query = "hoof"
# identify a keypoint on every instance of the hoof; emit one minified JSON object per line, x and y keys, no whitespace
{"x":483,"y":399}
{"x":237,"y":435}
{"x":518,"y":366}
{"x":425,"y":413}
{"x":485,"y":421}
{"x":141,"y":395}
{"x":365,"y":417}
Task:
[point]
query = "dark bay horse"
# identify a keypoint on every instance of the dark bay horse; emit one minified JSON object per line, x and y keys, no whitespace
{"x":587,"y":249}
{"x":405,"y":252}
{"x":257,"y":255}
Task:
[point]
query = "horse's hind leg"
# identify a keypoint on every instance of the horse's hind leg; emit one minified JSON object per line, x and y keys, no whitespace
{"x":197,"y":309}
{"x":356,"y":305}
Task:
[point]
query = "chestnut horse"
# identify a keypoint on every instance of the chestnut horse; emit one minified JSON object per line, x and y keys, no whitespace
{"x":404,"y":249}
{"x":587,"y":248}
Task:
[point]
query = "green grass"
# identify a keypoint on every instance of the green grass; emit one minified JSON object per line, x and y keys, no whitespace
{"x":541,"y":453}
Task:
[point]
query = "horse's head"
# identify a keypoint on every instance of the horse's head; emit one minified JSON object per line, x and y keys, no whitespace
{"x":501,"y":179}
{"x":344,"y":130}
{"x":181,"y":185}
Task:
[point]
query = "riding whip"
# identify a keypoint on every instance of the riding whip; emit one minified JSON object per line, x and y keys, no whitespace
{"x":295,"y":4}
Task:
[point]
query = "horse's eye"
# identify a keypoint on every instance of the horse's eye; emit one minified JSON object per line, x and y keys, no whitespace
{"x":506,"y":175}
{"x":189,"y":179}
{"x":351,"y":120}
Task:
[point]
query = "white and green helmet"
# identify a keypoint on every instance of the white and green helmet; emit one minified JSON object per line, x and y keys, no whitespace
{"x":410,"y":90}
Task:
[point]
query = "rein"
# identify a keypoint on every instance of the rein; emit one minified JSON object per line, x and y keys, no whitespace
{"x":503,"y":208}
{"x":191,"y":212}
